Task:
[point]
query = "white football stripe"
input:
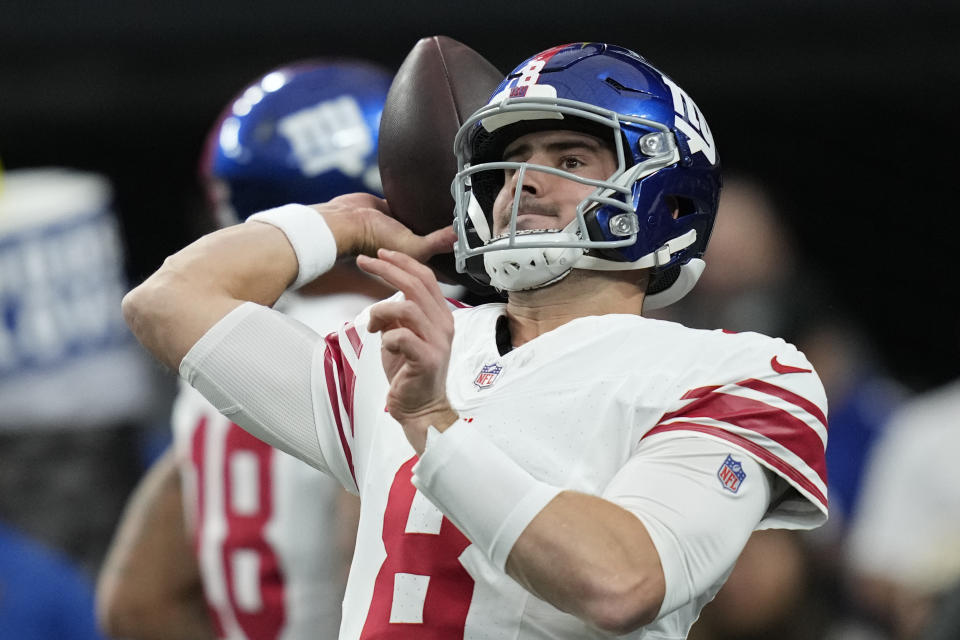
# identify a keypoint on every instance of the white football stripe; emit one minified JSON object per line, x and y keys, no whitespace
{"x":348,"y":351}
{"x":775,"y":401}
{"x":341,"y":401}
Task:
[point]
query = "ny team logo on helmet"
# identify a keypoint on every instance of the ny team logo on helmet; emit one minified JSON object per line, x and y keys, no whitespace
{"x":305,"y":132}
{"x":654,"y":212}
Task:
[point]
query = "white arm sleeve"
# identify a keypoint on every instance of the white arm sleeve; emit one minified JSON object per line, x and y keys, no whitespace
{"x":698,"y":526}
{"x":255,"y":366}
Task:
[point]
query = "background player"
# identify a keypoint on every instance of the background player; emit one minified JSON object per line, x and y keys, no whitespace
{"x":613,"y":466}
{"x":271,"y":536}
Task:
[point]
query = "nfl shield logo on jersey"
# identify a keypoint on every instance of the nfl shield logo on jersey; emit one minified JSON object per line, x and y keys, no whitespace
{"x":731,"y":474}
{"x":487,"y":376}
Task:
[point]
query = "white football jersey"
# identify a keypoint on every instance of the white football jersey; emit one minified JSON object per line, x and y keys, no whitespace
{"x":262,"y":522}
{"x":572,"y":407}
{"x":907,"y":524}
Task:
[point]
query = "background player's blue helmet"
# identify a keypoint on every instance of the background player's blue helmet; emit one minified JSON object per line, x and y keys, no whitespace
{"x":655,"y":212}
{"x":306,"y":132}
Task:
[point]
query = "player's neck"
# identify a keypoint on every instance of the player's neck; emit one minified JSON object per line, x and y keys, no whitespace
{"x":582,"y":293}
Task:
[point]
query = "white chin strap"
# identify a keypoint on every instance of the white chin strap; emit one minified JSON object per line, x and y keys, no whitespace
{"x":521,"y":268}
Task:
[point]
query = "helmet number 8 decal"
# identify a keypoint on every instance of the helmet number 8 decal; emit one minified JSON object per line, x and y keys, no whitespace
{"x":530,"y":74}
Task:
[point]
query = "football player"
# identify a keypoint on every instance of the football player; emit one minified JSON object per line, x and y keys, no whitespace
{"x":271,"y":536}
{"x":557,"y":466}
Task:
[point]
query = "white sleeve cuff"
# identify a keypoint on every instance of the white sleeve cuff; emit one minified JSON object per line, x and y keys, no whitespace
{"x":484,"y":492}
{"x":308,"y":234}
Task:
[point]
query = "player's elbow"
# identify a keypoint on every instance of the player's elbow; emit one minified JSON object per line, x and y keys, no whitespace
{"x":623,"y":603}
{"x":155,"y":311}
{"x":146,"y":305}
{"x":136,"y":307}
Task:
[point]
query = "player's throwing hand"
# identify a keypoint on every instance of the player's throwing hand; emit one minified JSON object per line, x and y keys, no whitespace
{"x":362,"y":223}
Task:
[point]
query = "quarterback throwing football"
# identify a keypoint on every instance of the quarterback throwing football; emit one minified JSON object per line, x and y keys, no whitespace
{"x":557,"y":466}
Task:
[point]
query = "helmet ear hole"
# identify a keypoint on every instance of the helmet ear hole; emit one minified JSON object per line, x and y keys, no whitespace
{"x":673,"y":206}
{"x":679,"y":206}
{"x":686,"y":206}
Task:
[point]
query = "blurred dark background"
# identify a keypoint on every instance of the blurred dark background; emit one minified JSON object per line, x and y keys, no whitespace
{"x":847,"y":111}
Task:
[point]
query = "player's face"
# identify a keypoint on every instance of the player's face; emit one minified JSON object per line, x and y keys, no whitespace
{"x":549,"y":201}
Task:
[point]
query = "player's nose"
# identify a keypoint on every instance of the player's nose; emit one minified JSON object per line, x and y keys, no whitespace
{"x":529,"y":180}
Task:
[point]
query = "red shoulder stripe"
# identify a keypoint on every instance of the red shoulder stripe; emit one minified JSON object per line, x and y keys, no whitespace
{"x":788,"y":396}
{"x":771,"y":422}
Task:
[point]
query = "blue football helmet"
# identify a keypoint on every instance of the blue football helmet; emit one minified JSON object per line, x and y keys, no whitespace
{"x":305,"y":132}
{"x":654,"y":212}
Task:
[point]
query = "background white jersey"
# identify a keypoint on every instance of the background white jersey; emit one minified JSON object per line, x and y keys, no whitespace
{"x":572,"y":407}
{"x":262,"y":521}
{"x":907,"y":525}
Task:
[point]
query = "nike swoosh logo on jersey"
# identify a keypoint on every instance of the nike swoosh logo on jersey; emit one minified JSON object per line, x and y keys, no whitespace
{"x":785,"y":368}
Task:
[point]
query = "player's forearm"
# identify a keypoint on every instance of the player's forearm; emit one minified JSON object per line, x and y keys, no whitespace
{"x":256,"y":261}
{"x":589,"y":557}
{"x":203,"y":282}
{"x":582,"y":554}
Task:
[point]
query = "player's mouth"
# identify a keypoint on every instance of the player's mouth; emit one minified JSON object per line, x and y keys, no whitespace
{"x":531,"y":216}
{"x":529,"y":221}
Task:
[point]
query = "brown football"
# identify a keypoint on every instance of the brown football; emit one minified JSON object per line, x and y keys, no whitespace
{"x":439,"y":85}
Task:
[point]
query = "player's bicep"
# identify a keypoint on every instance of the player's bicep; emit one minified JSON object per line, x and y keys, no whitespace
{"x":255,"y":366}
{"x":699,"y":500}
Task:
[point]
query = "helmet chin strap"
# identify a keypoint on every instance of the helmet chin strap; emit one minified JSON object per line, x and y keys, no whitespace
{"x":522,"y":268}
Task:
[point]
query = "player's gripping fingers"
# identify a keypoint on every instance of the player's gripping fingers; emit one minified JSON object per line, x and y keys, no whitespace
{"x":391,"y":314}
{"x":419,"y":287}
{"x":420,"y":271}
{"x":402,"y":265}
{"x":415,"y":368}
{"x":403,"y":342}
{"x":411,"y":286}
{"x":434,"y":303}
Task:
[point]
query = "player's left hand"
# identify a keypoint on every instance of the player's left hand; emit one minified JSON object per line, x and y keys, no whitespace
{"x":416,"y":336}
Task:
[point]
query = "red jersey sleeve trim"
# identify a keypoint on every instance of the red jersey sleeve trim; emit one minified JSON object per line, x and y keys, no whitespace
{"x":787,"y":396}
{"x":772,"y":422}
{"x":458,"y":304}
{"x":354,"y":338}
{"x":337,"y":387}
